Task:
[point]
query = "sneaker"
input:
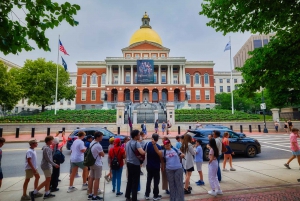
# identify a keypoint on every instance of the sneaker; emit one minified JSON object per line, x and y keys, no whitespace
{"x":190,"y":188}
{"x":213,"y":193}
{"x":71,"y":189}
{"x":84,"y":186}
{"x":232,"y":169}
{"x":97,"y":198}
{"x":26,"y":197}
{"x":49,"y":196}
{"x":287,"y":166}
{"x":118,"y":194}
{"x":157,"y":198}
{"x":219,"y":192}
{"x":38,"y":194}
{"x":106,"y":178}
{"x":53,"y":190}
{"x":200,"y":183}
{"x":31,"y":194}
{"x":147,"y":197}
{"x":187,"y":191}
{"x":167,"y":192}
{"x":90,"y":197}
{"x":225,"y":170}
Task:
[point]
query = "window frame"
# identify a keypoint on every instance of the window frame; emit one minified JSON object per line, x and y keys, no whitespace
{"x":207,"y":94}
{"x":95,"y":95}
{"x":83,"y":94}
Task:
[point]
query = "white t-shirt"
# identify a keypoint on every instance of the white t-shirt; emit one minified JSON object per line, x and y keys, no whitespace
{"x":77,"y":155}
{"x":96,"y":149}
{"x":219,"y":145}
{"x":31,"y":153}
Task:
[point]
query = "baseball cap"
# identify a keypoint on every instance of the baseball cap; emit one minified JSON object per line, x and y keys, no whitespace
{"x":111,"y":139}
{"x":167,"y":142}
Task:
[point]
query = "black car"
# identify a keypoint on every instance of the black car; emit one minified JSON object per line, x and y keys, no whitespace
{"x":218,"y":126}
{"x":238,"y":143}
{"x":91,"y":131}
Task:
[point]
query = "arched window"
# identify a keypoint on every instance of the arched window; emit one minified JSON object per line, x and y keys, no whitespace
{"x":207,"y":106}
{"x":127,"y":95}
{"x":136,"y":95}
{"x":206,"y":78}
{"x":187,"y":78}
{"x":197,"y":78}
{"x":84,"y":79}
{"x":164,"y":95}
{"x":103,"y":78}
{"x":94,"y":79}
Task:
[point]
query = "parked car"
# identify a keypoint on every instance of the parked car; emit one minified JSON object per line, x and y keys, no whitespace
{"x":90,"y":131}
{"x":238,"y":143}
{"x":218,"y":126}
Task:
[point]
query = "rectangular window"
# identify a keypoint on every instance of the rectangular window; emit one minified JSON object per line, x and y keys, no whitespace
{"x":146,"y":55}
{"x":221,"y":80}
{"x":83,"y":95}
{"x":61,"y":102}
{"x":265,"y":41}
{"x":154,"y":55}
{"x":70,"y":81}
{"x":197,"y":92}
{"x":163,"y":78}
{"x":102,"y":94}
{"x":228,"y":80}
{"x":175,"y":79}
{"x":135,"y":78}
{"x":207,"y":94}
{"x":221,"y":89}
{"x":188,"y":93}
{"x":228,"y":88}
{"x":115,"y":79}
{"x":128,"y":55}
{"x":93,"y":95}
{"x":155,"y":77}
{"x":69,"y":102}
{"x":127,"y":78}
{"x":257,"y":43}
{"x":137,"y":55}
{"x":103,"y":79}
{"x":163,"y":55}
{"x":235,"y":80}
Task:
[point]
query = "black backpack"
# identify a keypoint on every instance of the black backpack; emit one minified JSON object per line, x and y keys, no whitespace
{"x":58,"y":157}
{"x":89,"y":159}
{"x":115,"y":165}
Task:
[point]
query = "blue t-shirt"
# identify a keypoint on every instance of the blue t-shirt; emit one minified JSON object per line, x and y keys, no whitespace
{"x":87,"y":144}
{"x":178,"y":145}
{"x":153,"y":160}
{"x":199,"y":154}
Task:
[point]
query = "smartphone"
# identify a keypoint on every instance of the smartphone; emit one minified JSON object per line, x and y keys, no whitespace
{"x":60,"y":131}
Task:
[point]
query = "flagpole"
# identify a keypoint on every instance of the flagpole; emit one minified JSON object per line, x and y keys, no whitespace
{"x":56,"y":88}
{"x":231,"y":79}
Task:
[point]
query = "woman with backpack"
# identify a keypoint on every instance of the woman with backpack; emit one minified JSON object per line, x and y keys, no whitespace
{"x":174,"y":170}
{"x":117,"y":155}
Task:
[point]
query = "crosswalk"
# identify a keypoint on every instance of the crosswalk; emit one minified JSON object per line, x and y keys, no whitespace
{"x":279,"y":142}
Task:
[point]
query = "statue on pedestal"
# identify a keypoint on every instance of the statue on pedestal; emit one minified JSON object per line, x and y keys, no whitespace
{"x":186,"y":96}
{"x":105,"y":96}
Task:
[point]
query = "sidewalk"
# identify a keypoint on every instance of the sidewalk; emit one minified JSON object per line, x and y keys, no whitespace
{"x":255,"y":180}
{"x":25,"y":137}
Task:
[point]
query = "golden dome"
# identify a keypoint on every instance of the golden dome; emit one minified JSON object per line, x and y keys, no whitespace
{"x":145,"y":34}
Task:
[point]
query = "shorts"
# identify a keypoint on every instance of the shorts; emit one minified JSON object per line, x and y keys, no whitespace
{"x":162,"y":130}
{"x":48,"y":172}
{"x":296,"y":153}
{"x":29,"y":173}
{"x":156,"y":129}
{"x":1,"y":175}
{"x":96,"y":172}
{"x":78,"y":164}
{"x":199,"y":166}
{"x":229,"y":150}
{"x":190,"y":169}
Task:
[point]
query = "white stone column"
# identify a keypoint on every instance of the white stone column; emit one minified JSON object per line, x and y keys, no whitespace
{"x":275,"y":114}
{"x":183,"y":74}
{"x":179,"y":76}
{"x":119,"y":74}
{"x":134,"y":117}
{"x":107,"y":71}
{"x":131,"y":74}
{"x":169,"y":72}
{"x":120,"y":113}
{"x":172,"y":76}
{"x":155,"y":115}
{"x":122,"y":74}
{"x":110,"y":74}
{"x":159,"y":74}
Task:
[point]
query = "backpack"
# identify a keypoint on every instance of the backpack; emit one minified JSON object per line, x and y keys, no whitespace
{"x":142,"y":125}
{"x":58,"y":156}
{"x":89,"y":159}
{"x":115,"y":165}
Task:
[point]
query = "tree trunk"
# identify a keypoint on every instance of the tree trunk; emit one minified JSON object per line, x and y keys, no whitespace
{"x":43,"y":108}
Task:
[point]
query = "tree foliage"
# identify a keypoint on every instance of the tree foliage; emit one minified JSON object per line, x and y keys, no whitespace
{"x":40,"y":15}
{"x":38,"y":80}
{"x":10,"y":91}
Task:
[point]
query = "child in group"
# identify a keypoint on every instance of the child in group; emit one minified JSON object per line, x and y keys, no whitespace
{"x":213,"y":169}
{"x":178,"y":143}
{"x":89,"y":139}
{"x":108,"y":177}
{"x":199,"y":161}
{"x":2,"y":140}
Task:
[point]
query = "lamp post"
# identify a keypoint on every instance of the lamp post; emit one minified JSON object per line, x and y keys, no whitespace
{"x":264,"y":110}
{"x":145,"y":103}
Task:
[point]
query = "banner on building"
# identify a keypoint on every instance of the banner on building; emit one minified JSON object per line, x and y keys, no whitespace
{"x":145,"y":71}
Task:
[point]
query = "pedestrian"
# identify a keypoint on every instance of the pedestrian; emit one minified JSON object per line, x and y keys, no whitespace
{"x":178,"y":143}
{"x":169,"y":125}
{"x":89,"y":139}
{"x":108,"y":177}
{"x":216,"y":135}
{"x":286,"y":126}
{"x":142,"y":142}
{"x":2,"y":141}
{"x":290,"y":125}
{"x":96,"y":169}
{"x":163,"y":127}
{"x":213,"y":169}
{"x":126,"y":139}
{"x":294,"y":147}
{"x":47,"y":165}
{"x":228,"y":153}
{"x":118,"y":152}
{"x":153,"y":166}
{"x":133,"y":153}
{"x":56,"y":171}
{"x":164,"y":183}
{"x":77,"y":158}
{"x":156,"y":126}
{"x":188,"y":161}
{"x":171,"y":157}
{"x":199,"y":160}
{"x":276,"y":125}
{"x":198,"y":125}
{"x":144,"y":128}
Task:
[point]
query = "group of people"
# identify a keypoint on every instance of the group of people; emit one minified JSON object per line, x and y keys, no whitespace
{"x":165,"y":127}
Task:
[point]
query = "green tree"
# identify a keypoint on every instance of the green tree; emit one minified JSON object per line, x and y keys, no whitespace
{"x":10,"y":91}
{"x":40,"y":15}
{"x":38,"y":80}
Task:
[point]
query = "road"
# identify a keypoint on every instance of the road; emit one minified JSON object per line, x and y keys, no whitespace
{"x":273,"y":147}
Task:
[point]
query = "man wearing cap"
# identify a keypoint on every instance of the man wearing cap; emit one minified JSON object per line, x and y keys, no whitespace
{"x":96,"y":169}
{"x":31,"y":170}
{"x":153,"y":168}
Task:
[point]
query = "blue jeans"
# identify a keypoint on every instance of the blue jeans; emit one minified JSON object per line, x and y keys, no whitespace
{"x":116,"y":178}
{"x":219,"y":170}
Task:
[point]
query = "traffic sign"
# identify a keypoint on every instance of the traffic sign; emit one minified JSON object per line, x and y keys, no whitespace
{"x":263,"y":106}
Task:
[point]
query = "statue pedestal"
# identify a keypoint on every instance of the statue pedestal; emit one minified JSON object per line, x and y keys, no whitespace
{"x":105,"y":106}
{"x":186,"y":105}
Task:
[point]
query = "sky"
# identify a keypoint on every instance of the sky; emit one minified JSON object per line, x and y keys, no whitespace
{"x":106,"y":26}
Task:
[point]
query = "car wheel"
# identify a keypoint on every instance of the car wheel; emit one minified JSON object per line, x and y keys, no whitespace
{"x":206,"y":154}
{"x":251,"y":151}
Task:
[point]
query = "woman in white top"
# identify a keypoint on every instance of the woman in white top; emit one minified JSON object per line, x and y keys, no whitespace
{"x":188,"y":162}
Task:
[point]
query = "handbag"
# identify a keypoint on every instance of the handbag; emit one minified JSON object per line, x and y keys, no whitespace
{"x":138,"y":155}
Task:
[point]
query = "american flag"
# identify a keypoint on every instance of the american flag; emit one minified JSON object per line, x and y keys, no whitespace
{"x":62,"y":48}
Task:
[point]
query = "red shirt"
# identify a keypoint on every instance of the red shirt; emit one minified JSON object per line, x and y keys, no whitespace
{"x":115,"y":152}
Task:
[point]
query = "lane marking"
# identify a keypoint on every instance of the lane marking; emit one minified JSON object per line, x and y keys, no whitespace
{"x":279,"y":145}
{"x":276,"y":148}
{"x":14,"y":149}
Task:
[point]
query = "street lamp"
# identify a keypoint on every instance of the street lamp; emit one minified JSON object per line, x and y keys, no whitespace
{"x":264,"y":110}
